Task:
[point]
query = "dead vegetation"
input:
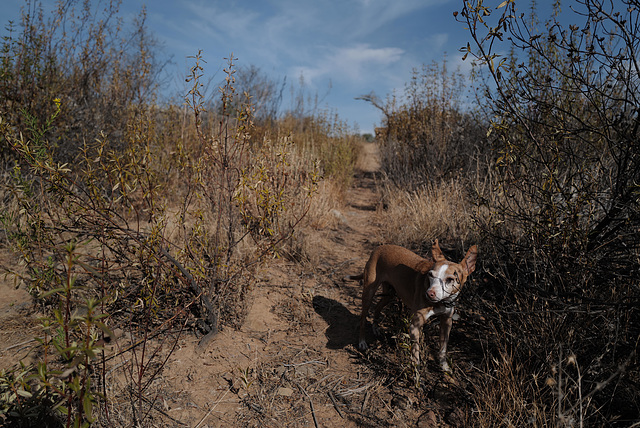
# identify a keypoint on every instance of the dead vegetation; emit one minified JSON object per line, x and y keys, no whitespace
{"x":185,"y":263}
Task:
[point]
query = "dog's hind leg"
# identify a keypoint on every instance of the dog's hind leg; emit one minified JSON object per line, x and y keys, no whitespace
{"x":388,"y":293}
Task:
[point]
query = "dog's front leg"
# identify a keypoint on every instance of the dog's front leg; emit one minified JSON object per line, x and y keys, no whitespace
{"x":415,"y":329}
{"x":446,"y":321}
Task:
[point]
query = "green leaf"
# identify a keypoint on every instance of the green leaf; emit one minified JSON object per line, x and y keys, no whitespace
{"x":107,"y":331}
{"x":50,"y":292}
{"x":23,"y":393}
{"x":87,"y":405}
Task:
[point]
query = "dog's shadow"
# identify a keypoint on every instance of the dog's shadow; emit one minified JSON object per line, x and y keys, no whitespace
{"x":342,"y":330}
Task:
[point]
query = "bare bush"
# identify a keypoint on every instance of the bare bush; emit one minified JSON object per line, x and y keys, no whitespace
{"x":561,"y":221}
{"x":426,"y":136}
{"x":84,"y":56}
{"x":253,"y":191}
{"x":441,"y":209}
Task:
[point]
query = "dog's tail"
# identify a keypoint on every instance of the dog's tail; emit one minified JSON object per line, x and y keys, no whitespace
{"x":354,"y":277}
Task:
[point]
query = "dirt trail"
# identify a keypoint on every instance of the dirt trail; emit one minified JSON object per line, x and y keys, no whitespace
{"x":293,"y":362}
{"x":295,"y":349}
{"x":18,"y":325}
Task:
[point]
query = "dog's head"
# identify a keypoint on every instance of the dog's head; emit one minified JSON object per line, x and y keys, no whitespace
{"x":447,"y":278}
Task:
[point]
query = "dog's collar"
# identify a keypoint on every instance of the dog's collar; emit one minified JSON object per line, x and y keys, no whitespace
{"x":448,"y":303}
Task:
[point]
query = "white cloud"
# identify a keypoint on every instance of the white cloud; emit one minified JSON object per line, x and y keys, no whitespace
{"x":437,"y":42}
{"x":353,"y":63}
{"x":220,"y":22}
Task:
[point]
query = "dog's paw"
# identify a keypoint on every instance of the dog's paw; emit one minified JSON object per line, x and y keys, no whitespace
{"x":376,"y":330}
{"x":444,"y":365}
{"x":362,"y":345}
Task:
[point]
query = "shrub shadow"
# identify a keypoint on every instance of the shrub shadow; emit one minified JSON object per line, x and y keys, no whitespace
{"x":342,"y":330}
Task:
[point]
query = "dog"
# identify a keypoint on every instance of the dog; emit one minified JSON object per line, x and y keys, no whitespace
{"x":427,"y":288}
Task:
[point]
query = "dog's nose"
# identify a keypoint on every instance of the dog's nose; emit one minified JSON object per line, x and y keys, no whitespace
{"x":431,"y":293}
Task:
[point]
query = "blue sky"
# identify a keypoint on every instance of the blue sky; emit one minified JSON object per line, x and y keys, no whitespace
{"x":342,"y":48}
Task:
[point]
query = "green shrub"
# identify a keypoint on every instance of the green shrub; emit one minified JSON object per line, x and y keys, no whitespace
{"x":82,"y":55}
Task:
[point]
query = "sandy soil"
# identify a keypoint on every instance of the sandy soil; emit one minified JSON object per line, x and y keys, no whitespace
{"x":293,"y":362}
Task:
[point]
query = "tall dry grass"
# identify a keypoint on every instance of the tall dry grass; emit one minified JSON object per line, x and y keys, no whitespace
{"x":443,"y":210}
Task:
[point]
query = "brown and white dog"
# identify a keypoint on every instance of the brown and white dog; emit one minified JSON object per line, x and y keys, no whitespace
{"x":427,"y":288}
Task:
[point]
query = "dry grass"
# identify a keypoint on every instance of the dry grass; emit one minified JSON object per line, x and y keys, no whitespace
{"x":559,"y":337}
{"x":510,"y":397}
{"x":436,"y":210}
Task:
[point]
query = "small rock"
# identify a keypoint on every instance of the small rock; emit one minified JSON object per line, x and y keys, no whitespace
{"x":456,"y":418}
{"x":427,"y":420}
{"x":401,"y":401}
{"x":285,"y":392}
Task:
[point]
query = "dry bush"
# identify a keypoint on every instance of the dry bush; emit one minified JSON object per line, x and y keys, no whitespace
{"x":108,"y":241}
{"x":560,"y":223}
{"x":442,"y":210}
{"x":501,"y":401}
{"x":84,"y":56}
{"x":323,"y":214}
{"x":325,"y":137}
{"x":545,"y":363}
{"x":315,"y":132}
{"x":90,"y":238}
{"x":426,"y":137}
{"x":433,"y":156}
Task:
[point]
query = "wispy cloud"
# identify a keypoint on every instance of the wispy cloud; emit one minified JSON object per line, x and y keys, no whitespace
{"x":353,"y":63}
{"x":353,"y":46}
{"x":358,"y":45}
{"x":375,"y":14}
{"x":216,"y":23}
{"x":437,"y":42}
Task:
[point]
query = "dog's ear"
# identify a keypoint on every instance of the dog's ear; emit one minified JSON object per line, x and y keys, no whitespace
{"x":436,"y":252}
{"x":469,"y":262}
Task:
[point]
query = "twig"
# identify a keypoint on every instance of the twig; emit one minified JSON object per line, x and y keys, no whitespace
{"x":18,"y":344}
{"x":600,"y":385}
{"x":318,"y":382}
{"x":212,"y":408}
{"x":313,"y":412}
{"x":366,"y":400}
{"x":306,"y":362}
{"x":335,"y":404}
{"x":163,"y":413}
{"x":212,"y":314}
{"x":347,"y":392}
{"x":332,"y":384}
